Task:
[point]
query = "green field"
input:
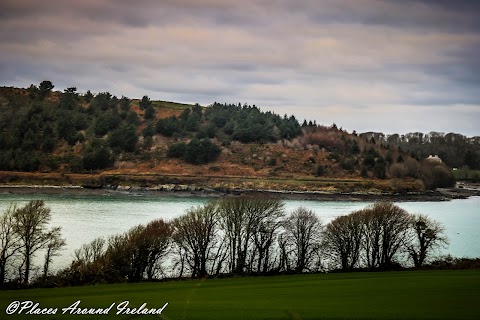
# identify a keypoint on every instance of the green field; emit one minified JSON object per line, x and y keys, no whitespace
{"x":467,"y":175}
{"x":167,"y":104}
{"x":381,"y":295}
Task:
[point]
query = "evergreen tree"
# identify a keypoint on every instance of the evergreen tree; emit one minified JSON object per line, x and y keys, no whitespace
{"x":145,"y":103}
{"x":149,"y":113}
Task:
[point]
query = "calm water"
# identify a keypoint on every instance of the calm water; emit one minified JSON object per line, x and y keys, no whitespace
{"x":84,"y":218}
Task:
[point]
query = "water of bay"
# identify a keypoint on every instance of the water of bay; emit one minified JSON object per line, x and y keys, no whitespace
{"x":84,"y":218}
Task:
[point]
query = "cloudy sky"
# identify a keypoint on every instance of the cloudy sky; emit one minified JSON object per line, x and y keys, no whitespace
{"x":367,"y":65}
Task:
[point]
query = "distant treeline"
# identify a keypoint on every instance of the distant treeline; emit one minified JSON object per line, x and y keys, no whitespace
{"x":372,"y":159}
{"x":227,"y":237}
{"x":456,"y":150}
{"x":228,"y":122}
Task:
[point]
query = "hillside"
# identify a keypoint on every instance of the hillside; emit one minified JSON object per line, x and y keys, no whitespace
{"x":71,"y":138}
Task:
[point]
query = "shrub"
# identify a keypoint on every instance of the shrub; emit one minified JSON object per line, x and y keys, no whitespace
{"x":319,"y":171}
{"x":123,"y":138}
{"x":201,"y":151}
{"x":177,"y":150}
{"x":397,"y":170}
{"x":271,"y":162}
{"x":437,"y":175}
{"x":169,"y":126}
{"x":95,"y":158}
{"x":195,"y":152}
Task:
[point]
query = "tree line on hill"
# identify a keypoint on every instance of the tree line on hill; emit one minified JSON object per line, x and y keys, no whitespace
{"x":372,"y":159}
{"x":37,"y":121}
{"x":228,"y":122}
{"x":456,"y":150}
{"x":42,"y":129}
{"x":230,"y":236}
{"x":72,"y":132}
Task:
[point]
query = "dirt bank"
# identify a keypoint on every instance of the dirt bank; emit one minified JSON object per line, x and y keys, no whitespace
{"x":460,"y":192}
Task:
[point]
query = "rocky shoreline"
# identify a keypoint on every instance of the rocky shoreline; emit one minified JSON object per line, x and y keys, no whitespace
{"x":461,"y":191}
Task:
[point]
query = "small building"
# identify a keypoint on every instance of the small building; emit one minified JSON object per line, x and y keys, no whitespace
{"x":434,"y":158}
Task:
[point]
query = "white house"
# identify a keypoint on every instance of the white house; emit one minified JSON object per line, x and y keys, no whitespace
{"x":434,"y":158}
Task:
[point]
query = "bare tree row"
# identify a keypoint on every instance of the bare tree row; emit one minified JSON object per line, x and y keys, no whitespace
{"x":241,"y":235}
{"x":256,"y":236}
{"x":381,"y":236}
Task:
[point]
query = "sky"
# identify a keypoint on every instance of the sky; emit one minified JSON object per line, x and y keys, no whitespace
{"x":365,"y":65}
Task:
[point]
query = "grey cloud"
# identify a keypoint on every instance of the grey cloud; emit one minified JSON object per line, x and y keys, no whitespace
{"x":340,"y":61}
{"x":457,"y":5}
{"x":138,"y":13}
{"x":459,"y":14}
{"x":447,"y":15}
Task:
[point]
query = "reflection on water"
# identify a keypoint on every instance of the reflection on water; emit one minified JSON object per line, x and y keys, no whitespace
{"x":84,"y":218}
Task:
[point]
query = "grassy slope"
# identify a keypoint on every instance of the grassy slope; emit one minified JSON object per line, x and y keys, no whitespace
{"x":392,"y":295}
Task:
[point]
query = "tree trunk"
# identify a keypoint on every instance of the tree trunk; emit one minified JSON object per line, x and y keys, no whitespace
{"x":2,"y":272}
{"x":27,"y":266}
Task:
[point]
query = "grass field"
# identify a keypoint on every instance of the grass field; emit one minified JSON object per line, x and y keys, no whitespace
{"x":389,"y":295}
{"x":467,"y":175}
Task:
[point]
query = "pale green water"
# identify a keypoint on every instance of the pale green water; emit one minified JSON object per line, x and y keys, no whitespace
{"x":84,"y":218}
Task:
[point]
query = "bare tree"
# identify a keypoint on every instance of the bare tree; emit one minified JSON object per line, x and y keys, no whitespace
{"x":241,"y":218}
{"x":133,"y":255}
{"x":31,"y":222}
{"x":372,"y":238}
{"x":233,"y":219}
{"x":138,"y":252}
{"x":284,"y":263}
{"x":91,"y":251}
{"x":385,"y":232}
{"x":156,"y":239}
{"x":428,"y":235}
{"x":179,"y":260}
{"x":342,"y":240}
{"x":195,"y":232}
{"x":89,"y":262}
{"x":123,"y":257}
{"x":303,"y":228}
{"x":264,"y":239}
{"x":54,"y":245}
{"x":9,"y":242}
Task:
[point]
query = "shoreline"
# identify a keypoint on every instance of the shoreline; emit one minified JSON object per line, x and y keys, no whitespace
{"x":462,"y":191}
